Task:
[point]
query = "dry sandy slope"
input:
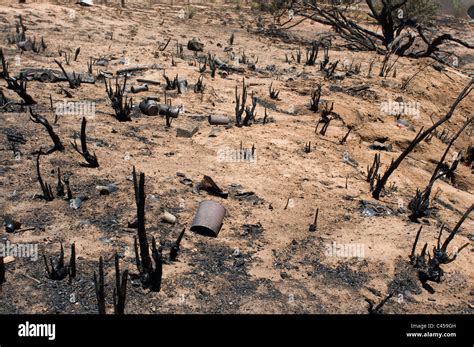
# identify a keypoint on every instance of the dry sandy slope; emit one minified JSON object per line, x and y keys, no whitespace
{"x":285,"y":269}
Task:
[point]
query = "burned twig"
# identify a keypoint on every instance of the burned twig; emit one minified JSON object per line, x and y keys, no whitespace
{"x":315,"y":98}
{"x":420,"y":203}
{"x":273,"y":92}
{"x":36,"y":118}
{"x":90,"y":158}
{"x":326,"y":118}
{"x":314,"y":226}
{"x":418,"y":138}
{"x":120,"y":290}
{"x":175,"y":248}
{"x":100,"y":288}
{"x":75,"y":81}
{"x":312,"y":54}
{"x":2,"y":272}
{"x":378,"y":309}
{"x":199,"y":86}
{"x":45,"y":188}
{"x":307,"y":147}
{"x":344,"y":139}
{"x":240,"y":104}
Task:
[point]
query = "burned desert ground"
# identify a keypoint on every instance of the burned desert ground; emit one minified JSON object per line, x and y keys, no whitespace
{"x":267,"y":258}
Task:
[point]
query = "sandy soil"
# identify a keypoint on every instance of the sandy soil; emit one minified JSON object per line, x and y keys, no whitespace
{"x":280,"y":267}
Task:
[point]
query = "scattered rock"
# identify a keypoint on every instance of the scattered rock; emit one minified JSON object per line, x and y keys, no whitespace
{"x":195,"y":45}
{"x":187,"y":130}
{"x":8,"y":259}
{"x":379,"y":146}
{"x":107,"y":189}
{"x":214,"y":132}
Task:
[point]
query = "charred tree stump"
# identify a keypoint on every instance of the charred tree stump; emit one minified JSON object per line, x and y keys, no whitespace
{"x":60,"y":270}
{"x":240,"y":104}
{"x":315,"y":98}
{"x":12,"y":83}
{"x":120,"y":290}
{"x":46,"y":188}
{"x":90,"y":158}
{"x":100,"y":288}
{"x":150,"y":276}
{"x":273,"y":92}
{"x":120,"y":104}
{"x":2,"y":272}
{"x":430,"y":269}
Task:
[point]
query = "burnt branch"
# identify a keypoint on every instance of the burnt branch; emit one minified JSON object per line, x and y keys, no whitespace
{"x":420,"y":203}
{"x":150,"y":276}
{"x":36,"y":118}
{"x":45,"y":188}
{"x":175,"y":248}
{"x":418,"y":138}
{"x":90,"y":158}
{"x":75,"y":81}
{"x":120,"y":290}
{"x":100,"y":288}
{"x":240,"y":103}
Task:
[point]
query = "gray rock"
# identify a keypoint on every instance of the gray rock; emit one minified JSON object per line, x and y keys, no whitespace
{"x":195,"y":45}
{"x":187,"y":130}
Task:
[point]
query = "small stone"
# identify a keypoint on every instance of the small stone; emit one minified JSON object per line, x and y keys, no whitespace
{"x":236,"y":253}
{"x":214,"y":132}
{"x":186,"y":130}
{"x":195,"y":45}
{"x":8,"y":259}
{"x":381,"y":146}
{"x":284,"y":275}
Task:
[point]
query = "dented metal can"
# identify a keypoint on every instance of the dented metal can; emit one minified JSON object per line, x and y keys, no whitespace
{"x":208,"y":219}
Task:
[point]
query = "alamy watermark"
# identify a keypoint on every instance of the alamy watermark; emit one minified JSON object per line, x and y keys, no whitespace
{"x":242,"y":155}
{"x":19,"y":250}
{"x":400,"y":108}
{"x":345,"y":250}
{"x":75,"y":108}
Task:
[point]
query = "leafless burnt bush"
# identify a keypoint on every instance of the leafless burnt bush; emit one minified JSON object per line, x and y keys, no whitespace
{"x":60,"y":270}
{"x":150,"y":275}
{"x":121,"y":105}
{"x":429,"y":265}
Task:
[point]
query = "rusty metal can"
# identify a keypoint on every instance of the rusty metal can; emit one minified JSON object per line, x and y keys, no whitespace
{"x":208,"y":219}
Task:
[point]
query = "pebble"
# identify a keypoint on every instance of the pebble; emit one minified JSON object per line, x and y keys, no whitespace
{"x":8,"y":259}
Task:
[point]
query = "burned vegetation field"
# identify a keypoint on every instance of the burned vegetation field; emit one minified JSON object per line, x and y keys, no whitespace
{"x":233,"y":158}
